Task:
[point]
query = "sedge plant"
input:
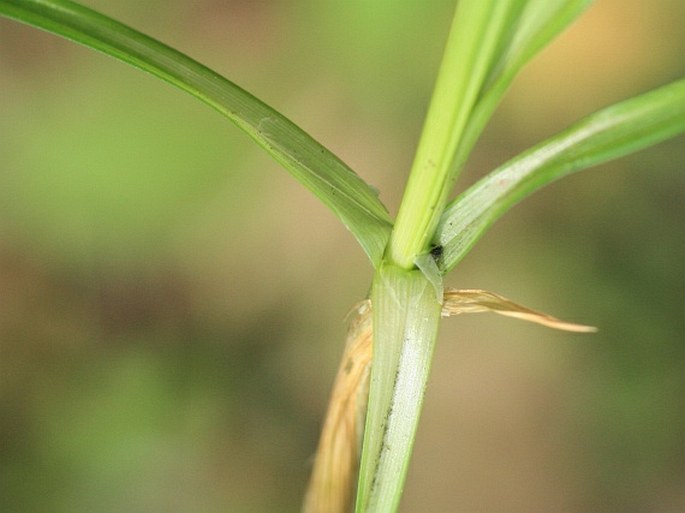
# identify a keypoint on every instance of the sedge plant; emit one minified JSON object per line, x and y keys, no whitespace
{"x":375,"y":406}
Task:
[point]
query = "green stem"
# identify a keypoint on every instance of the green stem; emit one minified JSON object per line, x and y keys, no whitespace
{"x":472,"y":44}
{"x":406,"y":316}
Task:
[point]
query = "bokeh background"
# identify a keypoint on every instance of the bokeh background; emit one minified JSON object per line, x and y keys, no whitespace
{"x":172,"y":303}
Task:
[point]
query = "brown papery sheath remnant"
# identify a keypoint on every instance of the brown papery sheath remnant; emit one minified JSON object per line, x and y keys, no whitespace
{"x":331,"y":487}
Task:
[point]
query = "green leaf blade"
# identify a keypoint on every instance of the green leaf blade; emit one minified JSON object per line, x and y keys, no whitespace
{"x":539,"y":23}
{"x":613,"y":132}
{"x":472,"y":48}
{"x":490,"y":42}
{"x":344,"y":192}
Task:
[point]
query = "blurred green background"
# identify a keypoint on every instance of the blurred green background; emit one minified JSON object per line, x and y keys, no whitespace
{"x":172,"y":303}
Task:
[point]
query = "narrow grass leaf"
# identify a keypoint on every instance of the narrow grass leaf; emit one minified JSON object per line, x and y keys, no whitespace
{"x":539,"y":23}
{"x":489,"y":43}
{"x":608,"y":134}
{"x":354,"y":202}
{"x":406,"y":315}
{"x":472,"y":48}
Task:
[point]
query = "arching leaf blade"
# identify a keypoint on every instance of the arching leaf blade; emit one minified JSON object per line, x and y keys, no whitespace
{"x":353,"y":201}
{"x":613,"y":132}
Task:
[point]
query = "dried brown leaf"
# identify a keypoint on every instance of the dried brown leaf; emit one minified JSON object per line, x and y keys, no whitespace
{"x":331,"y":487}
{"x":459,"y":301}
